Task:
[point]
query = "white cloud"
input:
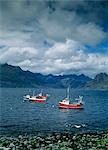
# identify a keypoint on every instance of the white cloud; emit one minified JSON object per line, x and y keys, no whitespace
{"x":24,"y":37}
{"x":90,"y":34}
{"x":34,"y":35}
{"x":15,"y":55}
{"x":68,"y":57}
{"x":63,"y":50}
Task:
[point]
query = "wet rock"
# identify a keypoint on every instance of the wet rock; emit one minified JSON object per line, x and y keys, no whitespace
{"x":48,"y":142}
{"x":37,"y":145}
{"x":4,"y":148}
{"x":59,"y":141}
{"x":17,"y":148}
{"x":62,"y":141}
{"x":48,"y":138}
{"x":25,"y":142}
{"x":29,"y":146}
{"x":43,"y":145}
{"x":64,"y":136}
{"x":11,"y":145}
{"x":58,"y":136}
{"x":74,"y":137}
{"x":20,"y":137}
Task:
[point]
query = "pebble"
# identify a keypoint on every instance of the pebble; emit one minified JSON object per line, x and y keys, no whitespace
{"x":48,"y":142}
{"x":58,"y":137}
{"x":4,"y":148}
{"x":62,"y":141}
{"x":20,"y":137}
{"x":11,"y":145}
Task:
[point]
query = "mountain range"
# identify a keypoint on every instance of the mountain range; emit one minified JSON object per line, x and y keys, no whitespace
{"x":14,"y":76}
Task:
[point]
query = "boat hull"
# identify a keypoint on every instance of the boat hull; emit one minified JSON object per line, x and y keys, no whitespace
{"x":37,"y":100}
{"x":71,"y":106}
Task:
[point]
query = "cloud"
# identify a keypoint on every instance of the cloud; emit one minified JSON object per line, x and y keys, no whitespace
{"x":90,"y":34}
{"x":53,"y":36}
{"x":70,"y":57}
{"x":25,"y":37}
{"x":63,"y":50}
{"x":15,"y":55}
{"x":62,"y":58}
{"x":82,"y":21}
{"x":61,"y":25}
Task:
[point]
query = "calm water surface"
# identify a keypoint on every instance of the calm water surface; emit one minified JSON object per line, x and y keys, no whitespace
{"x":20,"y":117}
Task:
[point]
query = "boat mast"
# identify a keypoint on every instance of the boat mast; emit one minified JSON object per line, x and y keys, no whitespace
{"x":33,"y":92}
{"x":41,"y":91}
{"x":68,"y":93}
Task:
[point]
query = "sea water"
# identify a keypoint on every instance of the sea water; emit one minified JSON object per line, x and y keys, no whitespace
{"x":23,"y":117}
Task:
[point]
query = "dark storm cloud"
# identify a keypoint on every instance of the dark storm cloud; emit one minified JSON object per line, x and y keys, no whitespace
{"x":90,"y":10}
{"x":45,"y":16}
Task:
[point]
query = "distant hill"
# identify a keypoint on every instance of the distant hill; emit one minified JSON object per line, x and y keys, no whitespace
{"x":12,"y":76}
{"x":15,"y":77}
{"x":100,"y":81}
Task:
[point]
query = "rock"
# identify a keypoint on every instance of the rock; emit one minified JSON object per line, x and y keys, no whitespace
{"x":42,"y":148}
{"x":90,"y":144}
{"x":48,"y":138}
{"x":58,"y":136}
{"x":29,"y":146}
{"x":50,"y":145}
{"x":67,"y":139}
{"x":48,"y":142}
{"x":64,"y":136}
{"x":17,"y":148}
{"x":74,"y":137}
{"x":11,"y":145}
{"x":59,"y":141}
{"x":4,"y":148}
{"x":37,"y":145}
{"x":20,"y":137}
{"x":62,"y":141}
{"x":41,"y":140}
{"x":5,"y":143}
{"x":25,"y":142}
{"x":42,"y":145}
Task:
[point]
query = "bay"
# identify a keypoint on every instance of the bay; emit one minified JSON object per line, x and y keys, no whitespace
{"x":22,"y":117}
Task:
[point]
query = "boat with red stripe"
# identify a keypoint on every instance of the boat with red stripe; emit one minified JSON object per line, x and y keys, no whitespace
{"x":38,"y":98}
{"x":65,"y":103}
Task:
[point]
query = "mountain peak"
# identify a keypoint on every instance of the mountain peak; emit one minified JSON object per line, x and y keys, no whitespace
{"x":101,"y":77}
{"x":14,"y":76}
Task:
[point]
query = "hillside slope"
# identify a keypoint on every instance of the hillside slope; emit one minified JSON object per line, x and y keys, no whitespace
{"x":12,"y":76}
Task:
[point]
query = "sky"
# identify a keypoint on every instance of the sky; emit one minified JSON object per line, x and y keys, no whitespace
{"x":55,"y":36}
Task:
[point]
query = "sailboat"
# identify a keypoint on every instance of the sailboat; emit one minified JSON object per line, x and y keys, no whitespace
{"x":65,"y":103}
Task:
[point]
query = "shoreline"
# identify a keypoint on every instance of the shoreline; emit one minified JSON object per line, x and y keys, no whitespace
{"x":56,"y":141}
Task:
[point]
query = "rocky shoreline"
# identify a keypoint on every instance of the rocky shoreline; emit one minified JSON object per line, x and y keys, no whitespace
{"x":56,"y":141}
